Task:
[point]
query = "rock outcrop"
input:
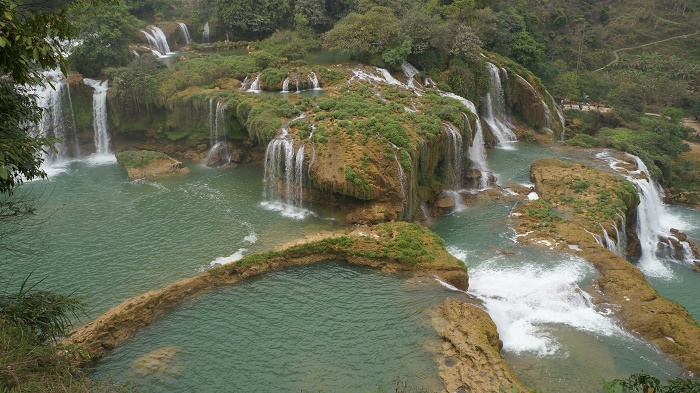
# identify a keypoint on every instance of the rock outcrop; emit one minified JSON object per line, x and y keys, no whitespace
{"x":574,"y":200}
{"x":471,"y":346}
{"x":149,"y":165}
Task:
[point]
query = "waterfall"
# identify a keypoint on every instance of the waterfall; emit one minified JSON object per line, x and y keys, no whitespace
{"x":401,"y":174}
{"x":410,"y":72}
{"x":621,"y":234}
{"x":285,"y":86}
{"x":454,"y":152}
{"x":205,"y":33}
{"x":99,"y":115}
{"x":562,"y":138}
{"x":609,"y":243}
{"x":477,"y":151}
{"x":389,"y":78}
{"x":255,"y":86}
{"x":596,"y":236}
{"x":496,"y":116}
{"x":314,"y":81}
{"x":156,"y":40}
{"x":218,"y":151}
{"x":185,"y":32}
{"x":477,"y":154}
{"x":58,"y":119}
{"x":654,"y":223}
{"x":284,"y":170}
{"x":245,"y":82}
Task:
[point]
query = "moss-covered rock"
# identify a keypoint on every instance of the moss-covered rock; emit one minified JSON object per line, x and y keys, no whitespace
{"x":145,"y":164}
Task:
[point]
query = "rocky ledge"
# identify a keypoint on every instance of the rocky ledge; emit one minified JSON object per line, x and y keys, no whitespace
{"x":573,"y":202}
{"x":145,"y":164}
{"x":390,"y":247}
{"x":471,"y":346}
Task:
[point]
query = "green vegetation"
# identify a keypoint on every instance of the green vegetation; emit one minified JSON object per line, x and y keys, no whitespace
{"x":658,"y":141}
{"x":137,"y":159}
{"x":404,"y":243}
{"x":643,"y":383}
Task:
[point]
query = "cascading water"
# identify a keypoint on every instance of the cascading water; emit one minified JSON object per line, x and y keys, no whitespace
{"x":205,"y":33}
{"x":654,"y":222}
{"x":285,"y":86}
{"x":496,"y":117}
{"x":185,"y":32}
{"x":610,"y":244}
{"x":401,"y":175}
{"x":389,"y":78}
{"x":99,"y":115}
{"x":454,"y":152}
{"x":477,"y":154}
{"x":284,"y":170}
{"x":314,"y":81}
{"x":477,"y":150}
{"x":58,"y":119}
{"x":255,"y":86}
{"x":218,"y":152}
{"x":410,"y":72}
{"x":156,"y":40}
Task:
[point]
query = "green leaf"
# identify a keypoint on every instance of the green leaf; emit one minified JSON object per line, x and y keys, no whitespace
{"x":4,"y":173}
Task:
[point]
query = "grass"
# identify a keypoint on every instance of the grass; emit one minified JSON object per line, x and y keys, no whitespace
{"x":137,"y":159}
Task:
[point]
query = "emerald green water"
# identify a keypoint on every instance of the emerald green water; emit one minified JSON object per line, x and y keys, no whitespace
{"x":327,"y":327}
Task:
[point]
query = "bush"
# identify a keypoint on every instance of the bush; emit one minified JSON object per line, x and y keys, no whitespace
{"x":136,"y":159}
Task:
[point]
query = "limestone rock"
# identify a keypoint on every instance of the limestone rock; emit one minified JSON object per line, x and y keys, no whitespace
{"x":471,"y":347}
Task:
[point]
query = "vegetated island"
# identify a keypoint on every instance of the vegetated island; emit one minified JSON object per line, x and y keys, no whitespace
{"x":574,"y":201}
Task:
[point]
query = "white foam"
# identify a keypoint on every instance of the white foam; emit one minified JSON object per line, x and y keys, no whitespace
{"x":251,"y":238}
{"x":525,"y":300}
{"x":236,"y":256}
{"x":101,"y":159}
{"x":533,"y":196}
{"x":286,"y":210}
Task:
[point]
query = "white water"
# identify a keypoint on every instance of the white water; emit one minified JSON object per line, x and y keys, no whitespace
{"x":314,"y":81}
{"x":525,"y":301}
{"x":218,"y":145}
{"x":477,"y":154}
{"x":58,"y":119}
{"x":401,"y":175}
{"x":99,"y":115}
{"x":284,"y":170}
{"x":285,"y":86}
{"x":496,"y":116}
{"x":156,"y":40}
{"x":185,"y":32}
{"x":389,"y":78}
{"x":245,"y":82}
{"x":255,"y":86}
{"x":454,"y":152}
{"x":653,"y":219}
{"x":470,"y":105}
{"x":410,"y":72}
{"x":205,"y":33}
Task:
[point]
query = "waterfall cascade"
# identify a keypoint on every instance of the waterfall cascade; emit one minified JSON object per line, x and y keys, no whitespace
{"x":401,"y":174}
{"x":185,"y":32}
{"x":285,"y":86}
{"x":156,"y":40}
{"x":99,"y":115}
{"x":314,"y":81}
{"x":477,"y":154}
{"x":58,"y":119}
{"x":454,"y":152}
{"x":218,"y":151}
{"x":410,"y":72}
{"x":496,"y":116}
{"x":284,"y":174}
{"x":205,"y":33}
{"x":654,"y":222}
{"x":255,"y":86}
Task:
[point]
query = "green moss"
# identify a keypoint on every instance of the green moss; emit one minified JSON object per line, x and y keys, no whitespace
{"x":136,"y":159}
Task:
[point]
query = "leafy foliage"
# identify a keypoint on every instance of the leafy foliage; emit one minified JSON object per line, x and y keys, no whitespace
{"x":643,"y":383}
{"x":136,"y":159}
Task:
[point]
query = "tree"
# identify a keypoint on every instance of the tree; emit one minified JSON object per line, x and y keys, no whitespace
{"x":24,"y":29}
{"x":526,"y":50}
{"x":373,"y":32}
{"x":106,"y":32}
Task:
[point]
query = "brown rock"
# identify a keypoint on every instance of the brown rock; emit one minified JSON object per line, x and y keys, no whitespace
{"x":159,"y":167}
{"x":471,"y":347}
